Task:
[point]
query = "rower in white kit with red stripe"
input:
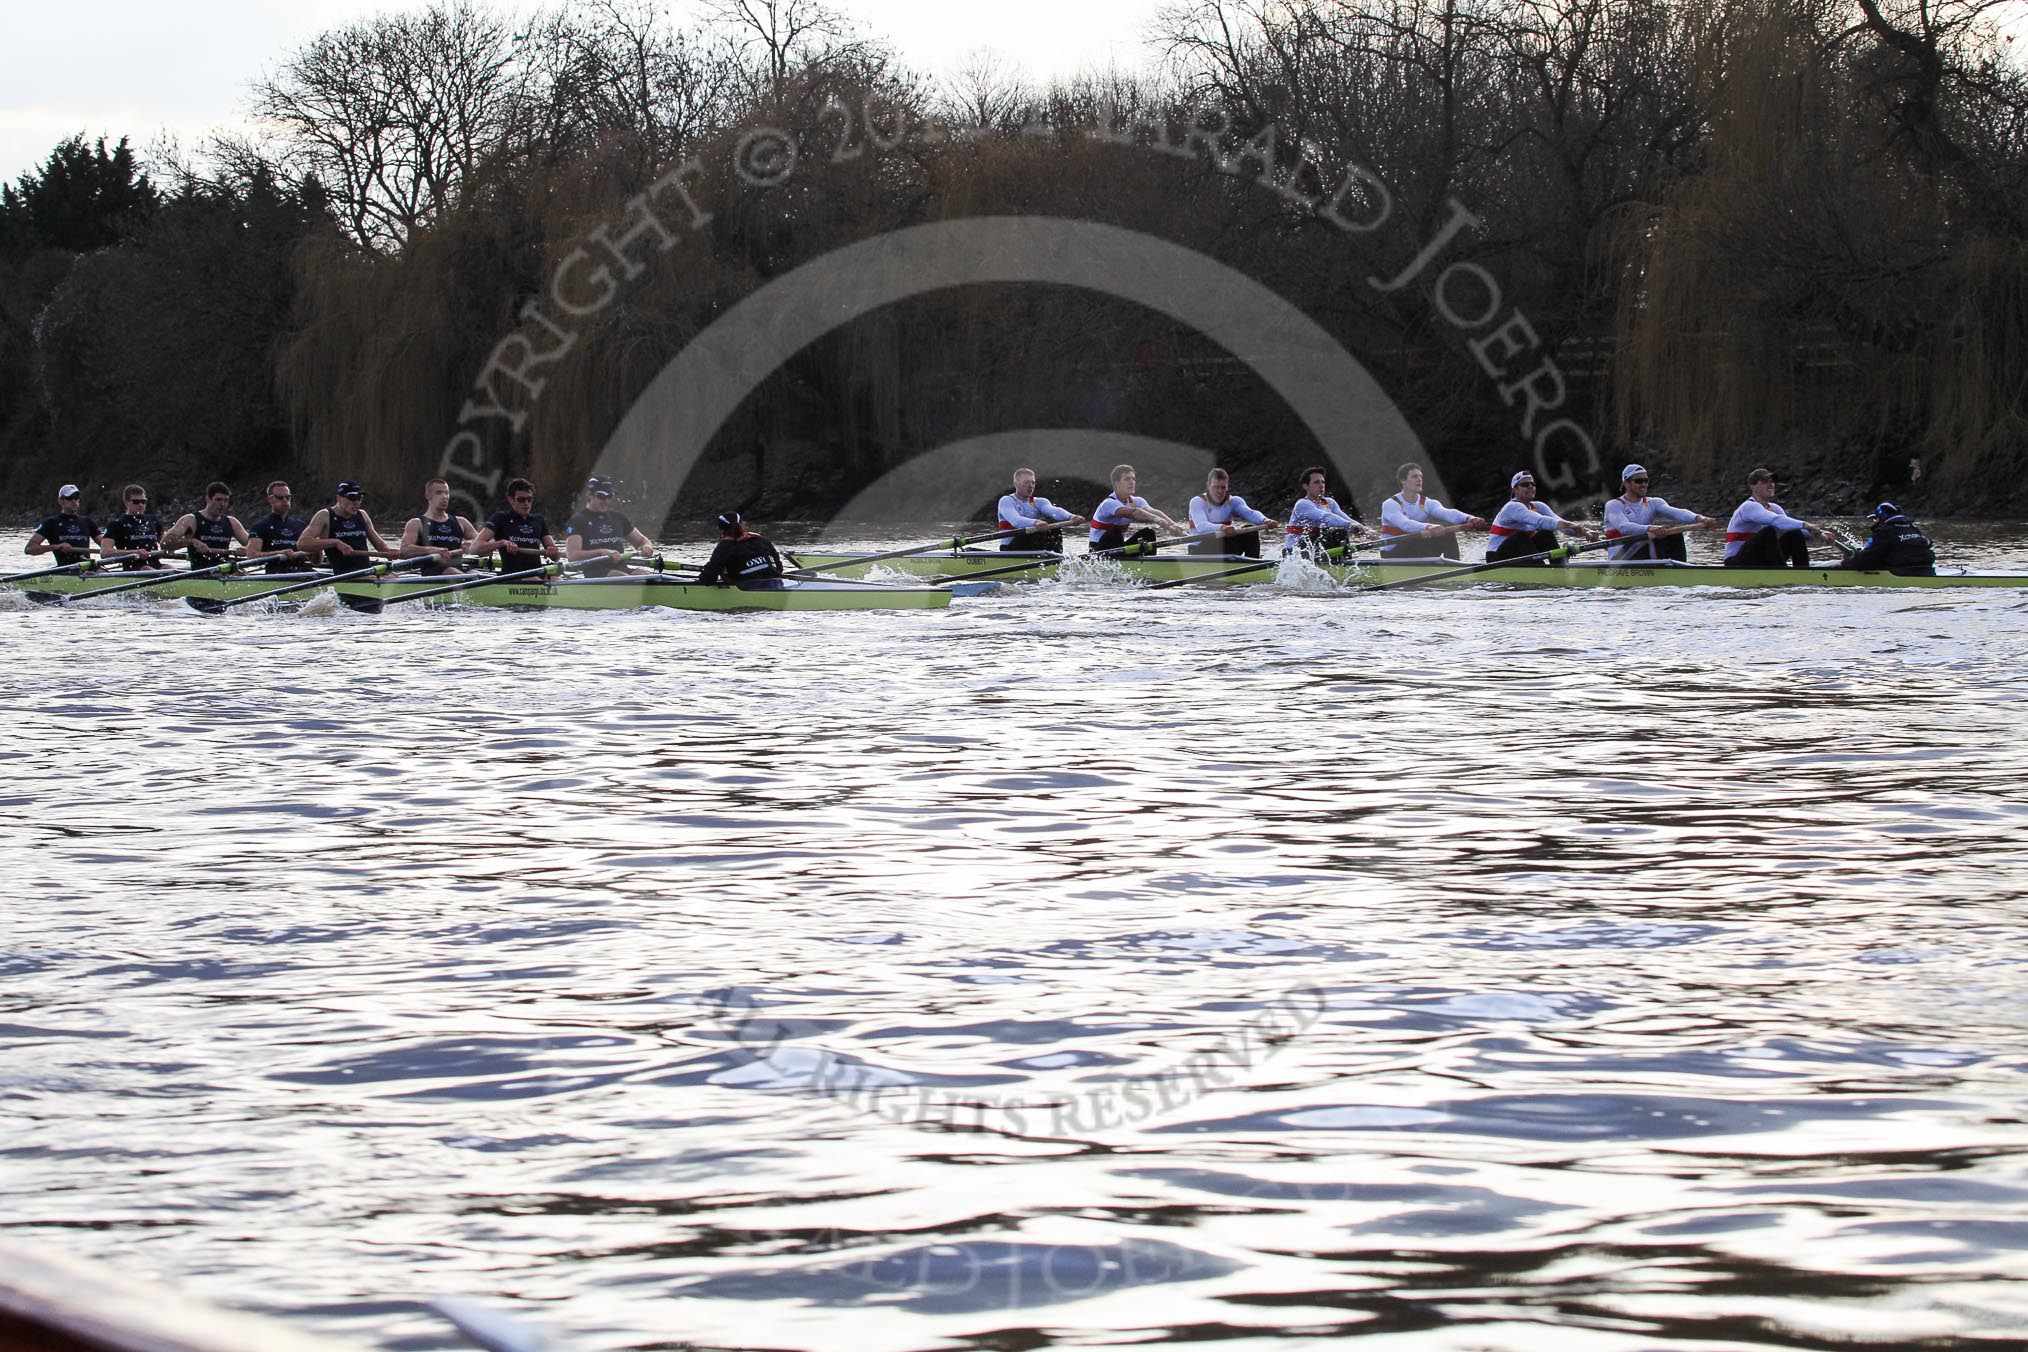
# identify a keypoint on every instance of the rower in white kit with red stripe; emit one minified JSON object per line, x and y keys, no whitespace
{"x":1035,"y":523}
{"x":1317,"y":523}
{"x":1762,"y":535}
{"x":1416,"y":526}
{"x":1524,"y":528}
{"x":1644,"y":522}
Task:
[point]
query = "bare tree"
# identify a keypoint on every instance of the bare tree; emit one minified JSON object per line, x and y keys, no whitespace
{"x":392,"y":114}
{"x":986,"y":90}
{"x":608,"y":66}
{"x":1929,"y":59}
{"x":772,"y":38}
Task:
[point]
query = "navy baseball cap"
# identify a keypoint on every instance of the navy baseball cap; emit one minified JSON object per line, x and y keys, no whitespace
{"x":599,"y":487}
{"x":1885,"y":510}
{"x":730,"y":521}
{"x":348,"y":489}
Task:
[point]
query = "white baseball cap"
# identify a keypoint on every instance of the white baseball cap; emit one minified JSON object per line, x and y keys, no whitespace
{"x":1631,"y":470}
{"x":1520,"y":477}
{"x":67,"y":491}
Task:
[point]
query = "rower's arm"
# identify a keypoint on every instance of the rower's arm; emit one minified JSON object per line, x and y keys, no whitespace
{"x":573,"y":547}
{"x":173,"y":537}
{"x":257,"y":547}
{"x":714,"y":567}
{"x":640,"y":541}
{"x":385,"y":551}
{"x":1872,"y":554}
{"x":412,"y":546}
{"x":313,"y":538}
{"x":549,"y":548}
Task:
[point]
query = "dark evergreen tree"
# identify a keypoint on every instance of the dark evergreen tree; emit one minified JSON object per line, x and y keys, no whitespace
{"x":84,"y":197}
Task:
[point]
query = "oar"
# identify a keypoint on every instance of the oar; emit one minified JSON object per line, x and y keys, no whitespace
{"x":373,"y":605}
{"x":207,"y":606}
{"x":1558,"y":553}
{"x":178,"y":575}
{"x":1132,"y":551}
{"x":1337,"y":555}
{"x":85,"y":563}
{"x":861,"y":560}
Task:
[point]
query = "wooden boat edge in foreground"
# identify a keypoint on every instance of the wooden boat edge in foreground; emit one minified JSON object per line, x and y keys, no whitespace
{"x":51,"y":1302}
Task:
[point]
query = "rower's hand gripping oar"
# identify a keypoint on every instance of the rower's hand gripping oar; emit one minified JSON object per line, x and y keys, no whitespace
{"x":861,"y":560}
{"x":179,"y":575}
{"x":1143,"y":549}
{"x":207,"y":606}
{"x":88,"y":564}
{"x":1337,"y":554}
{"x":1558,"y":553}
{"x":373,"y":605}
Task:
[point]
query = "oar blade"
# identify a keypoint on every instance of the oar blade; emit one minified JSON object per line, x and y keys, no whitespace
{"x":205,"y":605}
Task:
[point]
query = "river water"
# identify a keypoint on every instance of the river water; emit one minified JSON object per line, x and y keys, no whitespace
{"x":1077,"y":966}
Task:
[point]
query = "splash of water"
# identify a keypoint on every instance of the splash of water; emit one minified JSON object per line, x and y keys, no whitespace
{"x":1086,"y":573}
{"x":1299,"y":574}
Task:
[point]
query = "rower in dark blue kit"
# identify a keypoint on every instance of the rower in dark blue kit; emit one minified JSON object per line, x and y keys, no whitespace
{"x":438,"y":531}
{"x":67,"y":535}
{"x":520,"y":533}
{"x":274,"y":536}
{"x":601,"y":533}
{"x":210,"y":533}
{"x":741,"y":556}
{"x":1895,"y":545}
{"x":136,"y":533}
{"x":343,"y":533}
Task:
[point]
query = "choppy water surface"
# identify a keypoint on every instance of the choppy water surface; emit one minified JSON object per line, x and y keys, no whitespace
{"x":1457,"y":970}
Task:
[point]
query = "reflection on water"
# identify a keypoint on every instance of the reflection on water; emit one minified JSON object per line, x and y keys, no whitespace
{"x":1077,"y":965}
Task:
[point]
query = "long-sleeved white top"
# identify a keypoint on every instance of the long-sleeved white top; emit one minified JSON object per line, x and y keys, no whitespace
{"x":1751,"y":519}
{"x":1519,"y":517}
{"x":1623,"y":518}
{"x":1400,"y":517}
{"x":1206,"y":515}
{"x":1029,"y":513}
{"x":1307,"y":518}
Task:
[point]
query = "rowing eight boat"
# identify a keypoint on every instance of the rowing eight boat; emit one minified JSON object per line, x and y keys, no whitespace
{"x":620,"y":593}
{"x":567,"y":593}
{"x":1575,"y":573}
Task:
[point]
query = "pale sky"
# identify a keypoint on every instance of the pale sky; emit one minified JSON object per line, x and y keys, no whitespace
{"x":140,"y":68}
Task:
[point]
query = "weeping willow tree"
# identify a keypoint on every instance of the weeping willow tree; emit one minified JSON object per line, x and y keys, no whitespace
{"x":1822,"y":280}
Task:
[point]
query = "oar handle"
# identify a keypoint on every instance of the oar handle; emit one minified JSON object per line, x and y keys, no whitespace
{"x":1336,"y":554}
{"x":487,"y":579}
{"x":179,"y":575}
{"x":311,"y":584}
{"x":953,"y":544}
